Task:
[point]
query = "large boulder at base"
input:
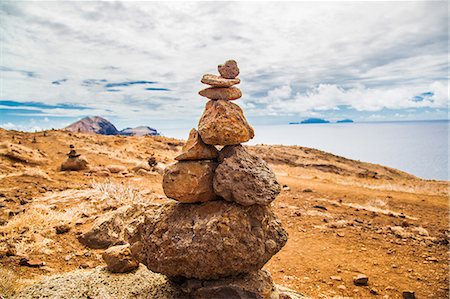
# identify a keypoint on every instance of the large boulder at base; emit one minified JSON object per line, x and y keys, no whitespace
{"x":119,"y":260}
{"x":224,"y":123}
{"x":74,"y":164}
{"x":113,"y":228}
{"x":190,"y":181}
{"x":212,"y":240}
{"x":244,"y":178}
{"x":256,"y":285}
{"x":229,"y":69}
{"x":218,"y":81}
{"x":100,"y":283}
{"x":221,"y":93}
{"x":196,"y":149}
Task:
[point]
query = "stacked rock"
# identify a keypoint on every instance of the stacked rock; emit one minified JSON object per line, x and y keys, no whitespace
{"x":221,"y":232}
{"x":73,"y":162}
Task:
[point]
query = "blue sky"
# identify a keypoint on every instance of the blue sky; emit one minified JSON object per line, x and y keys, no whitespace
{"x":140,"y":63}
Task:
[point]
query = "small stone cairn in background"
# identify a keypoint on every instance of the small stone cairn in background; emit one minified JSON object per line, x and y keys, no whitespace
{"x":74,"y":162}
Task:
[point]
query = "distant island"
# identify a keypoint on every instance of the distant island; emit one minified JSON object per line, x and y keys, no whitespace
{"x":344,"y":121}
{"x":102,"y":126}
{"x":319,"y":121}
{"x":311,"y":121}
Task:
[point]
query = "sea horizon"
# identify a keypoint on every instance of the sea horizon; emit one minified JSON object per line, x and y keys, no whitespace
{"x":403,"y":145}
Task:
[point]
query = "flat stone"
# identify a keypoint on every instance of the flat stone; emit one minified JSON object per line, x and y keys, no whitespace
{"x":244,"y":178}
{"x":211,"y":240}
{"x":224,"y":123}
{"x":256,"y":284}
{"x":196,"y":149}
{"x":218,"y":81}
{"x":221,"y":93}
{"x":229,"y":69}
{"x":190,"y":181}
{"x":119,"y":260}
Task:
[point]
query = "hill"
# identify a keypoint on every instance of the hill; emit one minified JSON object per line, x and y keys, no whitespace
{"x":343,"y":216}
{"x":95,"y":124}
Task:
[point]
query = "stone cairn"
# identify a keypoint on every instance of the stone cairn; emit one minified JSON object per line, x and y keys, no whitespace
{"x":215,"y":239}
{"x":73,"y":162}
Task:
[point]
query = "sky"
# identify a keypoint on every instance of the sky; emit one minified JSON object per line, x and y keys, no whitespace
{"x":140,"y":63}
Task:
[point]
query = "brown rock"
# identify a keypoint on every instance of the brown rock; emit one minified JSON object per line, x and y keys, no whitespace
{"x":217,"y":81}
{"x":113,"y":228}
{"x":224,"y":123}
{"x":408,"y":295}
{"x":212,"y":240}
{"x":190,"y":181}
{"x":221,"y":93}
{"x":244,"y":178}
{"x":196,"y":149}
{"x":119,"y":260}
{"x":62,"y":229}
{"x":117,"y":168}
{"x":32,"y":263}
{"x":361,"y":280}
{"x":257,"y":285}
{"x":74,"y":164}
{"x":229,"y":69}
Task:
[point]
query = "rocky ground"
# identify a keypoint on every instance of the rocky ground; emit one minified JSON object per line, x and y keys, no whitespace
{"x":344,"y":217}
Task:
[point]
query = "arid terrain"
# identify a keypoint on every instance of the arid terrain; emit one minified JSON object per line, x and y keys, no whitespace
{"x":344,"y":217}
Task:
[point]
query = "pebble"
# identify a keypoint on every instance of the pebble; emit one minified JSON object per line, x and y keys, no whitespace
{"x":361,"y":280}
{"x":337,"y":278}
{"x":62,"y":229}
{"x":408,"y":295}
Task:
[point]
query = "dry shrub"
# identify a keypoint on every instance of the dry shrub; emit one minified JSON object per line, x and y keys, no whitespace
{"x":114,"y":194}
{"x":9,"y":283}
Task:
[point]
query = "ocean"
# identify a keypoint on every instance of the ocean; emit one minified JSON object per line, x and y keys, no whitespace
{"x":417,"y":147}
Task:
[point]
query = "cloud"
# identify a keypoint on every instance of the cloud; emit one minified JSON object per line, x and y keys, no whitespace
{"x":144,"y":60}
{"x":325,"y":97}
{"x":8,"y":126}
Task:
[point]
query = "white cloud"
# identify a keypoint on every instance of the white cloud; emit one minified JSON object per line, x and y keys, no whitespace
{"x":8,"y":126}
{"x":294,"y":57}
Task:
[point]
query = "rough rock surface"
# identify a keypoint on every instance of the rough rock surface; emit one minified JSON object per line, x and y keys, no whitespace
{"x":224,"y":123}
{"x":114,"y":228}
{"x":244,"y":178}
{"x":208,"y":241}
{"x":229,"y":69}
{"x":190,"y":181}
{"x":196,"y":149}
{"x":100,"y":283}
{"x":74,"y":164}
{"x":119,"y":260}
{"x":258,"y":285}
{"x":218,"y":81}
{"x":221,"y":93}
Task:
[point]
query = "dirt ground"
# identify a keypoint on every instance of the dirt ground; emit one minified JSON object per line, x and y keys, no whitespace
{"x":344,"y":217}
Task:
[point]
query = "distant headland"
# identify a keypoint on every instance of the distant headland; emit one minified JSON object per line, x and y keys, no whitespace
{"x":319,"y":121}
